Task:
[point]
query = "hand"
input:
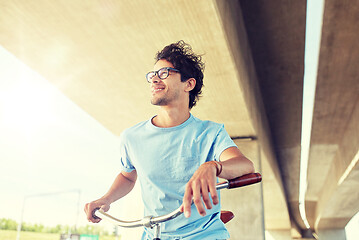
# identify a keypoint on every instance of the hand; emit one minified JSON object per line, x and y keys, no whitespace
{"x":90,"y":207}
{"x":198,"y":187}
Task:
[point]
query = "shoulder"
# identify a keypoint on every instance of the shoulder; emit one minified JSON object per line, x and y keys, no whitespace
{"x":207,"y":128}
{"x":133,"y":131}
{"x":137,"y":127}
{"x":207,"y":124}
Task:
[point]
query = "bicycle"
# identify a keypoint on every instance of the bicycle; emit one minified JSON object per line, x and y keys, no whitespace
{"x":154,"y":222}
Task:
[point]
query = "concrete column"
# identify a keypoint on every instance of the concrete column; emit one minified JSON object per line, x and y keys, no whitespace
{"x":278,"y":235}
{"x":247,"y":202}
{"x":332,"y":234}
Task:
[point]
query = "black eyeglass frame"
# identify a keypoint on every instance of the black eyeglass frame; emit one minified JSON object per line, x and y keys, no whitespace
{"x":161,"y":69}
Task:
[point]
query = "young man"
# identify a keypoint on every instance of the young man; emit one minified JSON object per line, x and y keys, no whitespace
{"x":176,"y":156}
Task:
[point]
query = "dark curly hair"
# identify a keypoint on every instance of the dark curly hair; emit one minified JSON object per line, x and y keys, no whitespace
{"x":189,"y":64}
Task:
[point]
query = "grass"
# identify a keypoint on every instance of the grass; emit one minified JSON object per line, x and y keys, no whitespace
{"x":11,"y":235}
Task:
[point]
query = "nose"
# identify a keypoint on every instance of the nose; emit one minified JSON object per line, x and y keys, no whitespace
{"x":155,"y":79}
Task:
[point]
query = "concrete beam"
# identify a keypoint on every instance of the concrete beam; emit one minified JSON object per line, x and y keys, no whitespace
{"x":337,"y":202}
{"x":332,"y":234}
{"x":231,"y":16}
{"x":277,"y":40}
{"x":333,"y":164}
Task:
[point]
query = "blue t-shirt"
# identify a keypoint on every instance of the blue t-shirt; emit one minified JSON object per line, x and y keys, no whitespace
{"x":165,"y":160}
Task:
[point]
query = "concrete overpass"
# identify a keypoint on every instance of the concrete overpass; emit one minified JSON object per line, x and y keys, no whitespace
{"x":97,"y":52}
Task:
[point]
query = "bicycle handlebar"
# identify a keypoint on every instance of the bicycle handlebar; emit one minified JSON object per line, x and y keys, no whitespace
{"x":245,"y":180}
{"x":151,"y":221}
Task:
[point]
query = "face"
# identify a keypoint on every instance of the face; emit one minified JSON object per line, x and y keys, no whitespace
{"x":167,"y":91}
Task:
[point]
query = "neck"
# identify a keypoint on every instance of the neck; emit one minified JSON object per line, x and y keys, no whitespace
{"x":171,"y":117}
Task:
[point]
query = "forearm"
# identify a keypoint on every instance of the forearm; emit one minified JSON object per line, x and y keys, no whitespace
{"x":234,"y":164}
{"x":235,"y":167}
{"x":122,"y":185}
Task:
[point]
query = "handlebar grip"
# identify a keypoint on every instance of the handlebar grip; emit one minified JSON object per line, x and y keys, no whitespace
{"x":94,"y":213}
{"x":244,"y":180}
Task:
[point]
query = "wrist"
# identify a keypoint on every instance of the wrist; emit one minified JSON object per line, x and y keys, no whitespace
{"x":106,"y":200}
{"x":218,"y":166}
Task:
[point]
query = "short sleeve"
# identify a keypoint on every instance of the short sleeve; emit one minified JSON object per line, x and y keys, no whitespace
{"x":126,"y":163}
{"x":222,"y":142}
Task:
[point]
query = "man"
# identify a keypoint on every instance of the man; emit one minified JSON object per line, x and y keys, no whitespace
{"x":177,"y":157}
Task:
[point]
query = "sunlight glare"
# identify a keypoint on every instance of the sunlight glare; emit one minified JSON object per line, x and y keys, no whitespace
{"x":25,"y":104}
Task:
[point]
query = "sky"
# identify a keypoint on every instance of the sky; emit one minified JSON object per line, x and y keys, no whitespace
{"x":48,"y":145}
{"x":54,"y":157}
{"x":314,"y":21}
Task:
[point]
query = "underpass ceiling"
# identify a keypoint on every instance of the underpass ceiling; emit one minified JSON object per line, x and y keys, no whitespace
{"x":97,"y":53}
{"x":277,"y":39}
{"x":277,"y":45}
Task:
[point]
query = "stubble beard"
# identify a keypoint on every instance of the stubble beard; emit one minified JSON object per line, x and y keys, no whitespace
{"x":164,"y":100}
{"x":159,"y":101}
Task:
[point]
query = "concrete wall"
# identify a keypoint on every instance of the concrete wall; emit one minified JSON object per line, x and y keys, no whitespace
{"x":247,"y":202}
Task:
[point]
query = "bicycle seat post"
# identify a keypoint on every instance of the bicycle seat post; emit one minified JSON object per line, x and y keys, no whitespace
{"x":157,"y":232}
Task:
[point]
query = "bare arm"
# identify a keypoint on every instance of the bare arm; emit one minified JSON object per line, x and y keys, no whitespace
{"x":122,"y":185}
{"x":234,"y":164}
{"x":203,"y":181}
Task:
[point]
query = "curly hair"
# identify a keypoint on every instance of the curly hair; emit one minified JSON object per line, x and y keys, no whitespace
{"x":189,"y":64}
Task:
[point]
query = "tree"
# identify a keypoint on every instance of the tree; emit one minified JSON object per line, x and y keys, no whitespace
{"x":7,"y":224}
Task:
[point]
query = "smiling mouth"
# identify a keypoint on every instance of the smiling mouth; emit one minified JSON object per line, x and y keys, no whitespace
{"x":157,"y":89}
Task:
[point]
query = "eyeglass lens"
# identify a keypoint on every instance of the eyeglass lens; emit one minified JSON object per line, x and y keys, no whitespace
{"x":161,"y":73}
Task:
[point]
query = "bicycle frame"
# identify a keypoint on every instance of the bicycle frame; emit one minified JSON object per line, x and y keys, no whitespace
{"x":154,"y":222}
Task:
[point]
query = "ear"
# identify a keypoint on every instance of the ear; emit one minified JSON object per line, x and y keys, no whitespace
{"x":190,"y":84}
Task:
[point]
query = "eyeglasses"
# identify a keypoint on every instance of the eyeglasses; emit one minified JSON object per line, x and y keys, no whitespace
{"x":161,"y":73}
